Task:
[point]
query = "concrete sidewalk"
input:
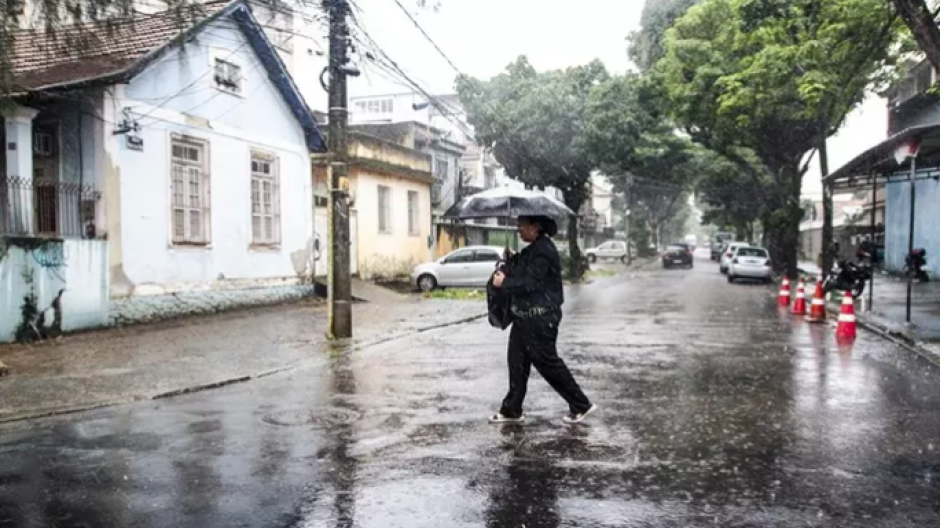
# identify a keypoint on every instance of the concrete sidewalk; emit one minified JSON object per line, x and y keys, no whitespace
{"x":885,"y":310}
{"x":145,"y":362}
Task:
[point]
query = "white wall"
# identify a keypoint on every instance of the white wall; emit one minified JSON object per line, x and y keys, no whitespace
{"x":79,"y":267}
{"x":176,"y":95}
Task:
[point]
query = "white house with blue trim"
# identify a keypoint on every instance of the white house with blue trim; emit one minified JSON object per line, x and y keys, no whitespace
{"x":162,"y":170}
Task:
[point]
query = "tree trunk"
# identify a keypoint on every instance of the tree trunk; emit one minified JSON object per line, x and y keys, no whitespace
{"x":782,"y":222}
{"x":574,"y":263}
{"x":573,"y":201}
{"x":827,"y":229}
{"x":918,"y":18}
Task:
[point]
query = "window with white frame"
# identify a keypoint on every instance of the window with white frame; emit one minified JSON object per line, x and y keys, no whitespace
{"x":265,"y":200}
{"x":385,"y":209}
{"x":190,"y":190}
{"x":414,"y":210}
{"x":228,"y":76}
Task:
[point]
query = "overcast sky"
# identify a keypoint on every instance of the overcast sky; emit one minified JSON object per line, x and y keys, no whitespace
{"x":483,"y":36}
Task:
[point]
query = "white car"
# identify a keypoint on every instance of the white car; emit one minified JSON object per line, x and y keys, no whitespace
{"x":725,"y":258}
{"x":469,"y":267}
{"x":612,"y":249}
{"x":750,"y":262}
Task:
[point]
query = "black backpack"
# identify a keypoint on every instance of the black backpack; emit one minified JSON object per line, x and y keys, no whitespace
{"x":498,"y":303}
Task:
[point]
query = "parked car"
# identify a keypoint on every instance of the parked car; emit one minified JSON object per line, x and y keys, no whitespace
{"x":750,"y":262}
{"x":612,"y":249}
{"x":719,"y":240}
{"x":678,"y":255}
{"x":727,"y":254}
{"x":469,"y":267}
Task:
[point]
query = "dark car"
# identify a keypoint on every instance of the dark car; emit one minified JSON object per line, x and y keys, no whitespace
{"x":678,"y":255}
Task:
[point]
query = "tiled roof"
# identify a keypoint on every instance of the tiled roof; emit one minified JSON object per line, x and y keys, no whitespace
{"x":82,"y":52}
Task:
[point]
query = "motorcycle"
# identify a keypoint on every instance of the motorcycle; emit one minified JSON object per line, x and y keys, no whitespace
{"x":914,"y":265}
{"x":849,"y":276}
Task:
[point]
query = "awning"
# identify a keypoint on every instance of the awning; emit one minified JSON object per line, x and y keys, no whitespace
{"x":877,"y":163}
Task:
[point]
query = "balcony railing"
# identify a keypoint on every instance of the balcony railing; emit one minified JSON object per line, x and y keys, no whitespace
{"x":45,"y":208}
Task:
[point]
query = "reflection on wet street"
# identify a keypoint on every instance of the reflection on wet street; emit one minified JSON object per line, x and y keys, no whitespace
{"x":716,"y":409}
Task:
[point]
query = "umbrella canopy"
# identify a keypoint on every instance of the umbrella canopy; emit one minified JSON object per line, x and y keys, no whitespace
{"x":508,"y":203}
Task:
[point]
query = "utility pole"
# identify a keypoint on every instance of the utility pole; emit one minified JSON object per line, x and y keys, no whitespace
{"x":339,"y":313}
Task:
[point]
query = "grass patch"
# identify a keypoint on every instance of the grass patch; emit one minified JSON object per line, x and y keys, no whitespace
{"x":597,"y":274}
{"x":457,"y":294}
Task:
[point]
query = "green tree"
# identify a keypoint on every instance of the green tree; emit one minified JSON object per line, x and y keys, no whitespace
{"x":776,"y":78}
{"x":731,"y":197}
{"x":646,"y":44}
{"x":632,"y":142}
{"x":921,"y":20}
{"x":534,"y":122}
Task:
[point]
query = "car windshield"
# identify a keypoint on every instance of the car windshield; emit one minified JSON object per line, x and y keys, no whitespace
{"x":675,"y":248}
{"x":752,"y":252}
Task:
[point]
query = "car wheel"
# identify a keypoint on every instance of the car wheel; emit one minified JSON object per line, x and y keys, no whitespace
{"x":723,"y":270}
{"x":427,"y":283}
{"x":731,"y":279}
{"x":623,"y":259}
{"x":592,"y":258}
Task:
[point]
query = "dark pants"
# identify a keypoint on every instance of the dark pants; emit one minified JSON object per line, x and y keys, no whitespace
{"x":532,"y":343}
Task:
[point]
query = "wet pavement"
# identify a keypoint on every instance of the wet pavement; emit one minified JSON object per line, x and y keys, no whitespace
{"x":716,"y":409}
{"x":121,"y":365}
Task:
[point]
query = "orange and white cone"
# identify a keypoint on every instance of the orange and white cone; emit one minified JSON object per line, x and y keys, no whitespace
{"x":846,"y":327}
{"x":799,"y":305}
{"x":817,"y":309}
{"x":784,"y":298}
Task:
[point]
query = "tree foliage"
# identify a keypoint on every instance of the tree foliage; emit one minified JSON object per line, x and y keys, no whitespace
{"x":921,"y":20}
{"x":646,"y":44}
{"x":534,"y":123}
{"x":634,"y":143}
{"x":775,"y":78}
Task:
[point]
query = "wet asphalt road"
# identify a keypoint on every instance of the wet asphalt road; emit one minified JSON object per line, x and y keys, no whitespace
{"x":715,"y":410}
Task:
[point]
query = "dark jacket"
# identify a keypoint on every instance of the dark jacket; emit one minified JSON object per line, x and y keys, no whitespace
{"x":534,"y":280}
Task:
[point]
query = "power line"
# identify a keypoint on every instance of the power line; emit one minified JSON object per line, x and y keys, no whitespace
{"x":428,"y":37}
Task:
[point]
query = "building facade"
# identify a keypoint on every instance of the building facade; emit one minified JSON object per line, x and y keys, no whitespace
{"x":390,"y":207}
{"x":183,"y":163}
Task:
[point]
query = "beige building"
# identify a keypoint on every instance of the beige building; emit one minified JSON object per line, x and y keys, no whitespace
{"x":390,"y":212}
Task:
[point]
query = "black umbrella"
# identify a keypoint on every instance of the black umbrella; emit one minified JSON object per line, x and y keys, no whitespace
{"x":508,"y":202}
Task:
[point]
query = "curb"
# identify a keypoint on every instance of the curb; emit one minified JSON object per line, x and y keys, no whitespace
{"x":895,"y":338}
{"x":215,"y":384}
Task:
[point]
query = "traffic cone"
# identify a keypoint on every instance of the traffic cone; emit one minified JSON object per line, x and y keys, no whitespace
{"x":817,"y":309}
{"x":846,"y":328}
{"x":784,"y":298}
{"x":799,"y":305}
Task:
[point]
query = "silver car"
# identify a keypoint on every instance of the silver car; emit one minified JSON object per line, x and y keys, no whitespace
{"x":612,"y":249}
{"x":469,"y":267}
{"x":750,"y":262}
{"x":724,"y":259}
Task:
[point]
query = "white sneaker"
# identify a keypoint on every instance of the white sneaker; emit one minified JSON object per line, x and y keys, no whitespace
{"x":499,"y":419}
{"x":571,"y":418}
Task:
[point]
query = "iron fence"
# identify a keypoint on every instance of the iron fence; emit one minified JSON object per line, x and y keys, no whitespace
{"x":46,"y":208}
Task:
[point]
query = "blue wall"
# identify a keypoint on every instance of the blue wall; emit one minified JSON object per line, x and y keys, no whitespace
{"x":926,"y":222}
